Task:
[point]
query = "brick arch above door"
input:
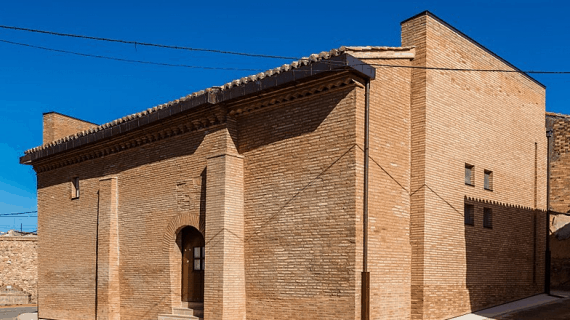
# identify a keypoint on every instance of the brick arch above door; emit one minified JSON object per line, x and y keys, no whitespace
{"x":177,"y":223}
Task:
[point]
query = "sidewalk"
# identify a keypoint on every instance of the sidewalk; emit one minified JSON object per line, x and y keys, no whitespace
{"x":518,"y":305}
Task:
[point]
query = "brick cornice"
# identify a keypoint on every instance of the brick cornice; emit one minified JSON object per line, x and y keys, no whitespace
{"x":293,"y":94}
{"x":497,"y":203}
{"x":214,"y":116}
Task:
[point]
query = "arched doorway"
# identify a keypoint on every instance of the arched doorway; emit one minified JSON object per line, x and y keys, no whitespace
{"x":192,"y":265}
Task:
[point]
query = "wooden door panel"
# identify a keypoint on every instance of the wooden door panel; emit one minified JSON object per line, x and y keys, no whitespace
{"x":192,"y":280}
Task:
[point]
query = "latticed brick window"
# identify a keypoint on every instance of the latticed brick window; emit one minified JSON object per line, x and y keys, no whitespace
{"x":469,"y":179}
{"x":469,"y":214}
{"x":488,"y":218}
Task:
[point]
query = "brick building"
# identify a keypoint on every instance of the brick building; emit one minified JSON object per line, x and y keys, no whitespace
{"x":248,"y":197}
{"x":559,"y":125}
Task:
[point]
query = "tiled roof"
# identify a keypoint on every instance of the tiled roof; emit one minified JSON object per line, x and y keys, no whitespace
{"x":559,"y":115}
{"x":325,"y":55}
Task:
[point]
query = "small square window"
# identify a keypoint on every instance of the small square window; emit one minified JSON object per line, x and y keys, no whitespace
{"x":488,"y":180}
{"x":469,"y":179}
{"x":468,"y":213}
{"x":488,"y":218}
{"x":75,"y":188}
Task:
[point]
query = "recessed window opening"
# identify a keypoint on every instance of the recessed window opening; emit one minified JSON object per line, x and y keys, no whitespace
{"x":75,"y":188}
{"x":488,"y":180}
{"x":488,"y":218}
{"x":469,"y":214}
{"x":469,"y":179}
{"x":199,"y":257}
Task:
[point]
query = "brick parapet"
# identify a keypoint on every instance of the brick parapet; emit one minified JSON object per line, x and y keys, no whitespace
{"x":57,"y":126}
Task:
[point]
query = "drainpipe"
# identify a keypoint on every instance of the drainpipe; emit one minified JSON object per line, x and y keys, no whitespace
{"x":365,"y":290}
{"x":547,"y":252}
{"x":97,"y":255}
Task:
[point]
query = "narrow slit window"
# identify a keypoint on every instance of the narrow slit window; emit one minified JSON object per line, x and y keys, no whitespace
{"x":75,"y":188}
{"x":469,"y":214}
{"x":488,"y":180}
{"x":469,"y":179}
{"x":199,"y":256}
{"x":488,"y":218}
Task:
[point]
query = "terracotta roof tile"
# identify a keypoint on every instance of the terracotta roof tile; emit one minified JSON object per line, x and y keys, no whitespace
{"x":235,"y":83}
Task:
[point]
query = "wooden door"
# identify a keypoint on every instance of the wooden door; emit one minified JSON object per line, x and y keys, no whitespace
{"x":192,"y":265}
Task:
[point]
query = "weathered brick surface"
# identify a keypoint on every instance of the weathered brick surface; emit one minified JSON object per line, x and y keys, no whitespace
{"x":559,"y":168}
{"x":559,"y":198}
{"x":18,"y":265}
{"x":475,"y":118}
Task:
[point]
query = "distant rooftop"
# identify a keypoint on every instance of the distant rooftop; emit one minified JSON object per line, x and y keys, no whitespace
{"x":15,"y":233}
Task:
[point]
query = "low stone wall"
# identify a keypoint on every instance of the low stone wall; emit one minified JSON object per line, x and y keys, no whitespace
{"x":18,"y":269}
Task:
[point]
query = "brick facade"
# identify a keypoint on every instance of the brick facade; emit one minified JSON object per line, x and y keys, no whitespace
{"x":274,"y":181}
{"x":471,"y":118}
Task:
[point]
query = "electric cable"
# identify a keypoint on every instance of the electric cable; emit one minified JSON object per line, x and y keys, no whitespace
{"x":125,"y":60}
{"x":137,"y":43}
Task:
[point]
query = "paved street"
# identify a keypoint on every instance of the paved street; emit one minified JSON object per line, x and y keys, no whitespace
{"x":12,"y":312}
{"x":558,"y":310}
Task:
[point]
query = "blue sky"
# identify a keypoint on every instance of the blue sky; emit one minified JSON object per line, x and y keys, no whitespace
{"x":532,"y":35}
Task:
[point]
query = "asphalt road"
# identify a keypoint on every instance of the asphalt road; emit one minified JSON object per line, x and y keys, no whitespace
{"x":12,"y":312}
{"x":558,"y":310}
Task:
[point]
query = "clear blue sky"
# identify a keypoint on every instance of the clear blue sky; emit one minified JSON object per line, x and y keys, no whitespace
{"x":532,"y":35}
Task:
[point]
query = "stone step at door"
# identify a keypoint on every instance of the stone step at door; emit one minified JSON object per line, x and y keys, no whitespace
{"x":188,"y":310}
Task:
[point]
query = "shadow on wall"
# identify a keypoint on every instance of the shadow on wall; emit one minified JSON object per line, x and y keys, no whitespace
{"x":504,"y":248}
{"x":560,"y":261}
{"x":274,"y":125}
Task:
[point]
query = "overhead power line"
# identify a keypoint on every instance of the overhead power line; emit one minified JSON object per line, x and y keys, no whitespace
{"x":148,"y":44}
{"x":16,"y":213}
{"x":261,"y":70}
{"x":126,"y":60}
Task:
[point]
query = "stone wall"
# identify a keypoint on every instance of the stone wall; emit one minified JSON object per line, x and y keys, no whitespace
{"x":18,"y":265}
{"x":559,"y":199}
